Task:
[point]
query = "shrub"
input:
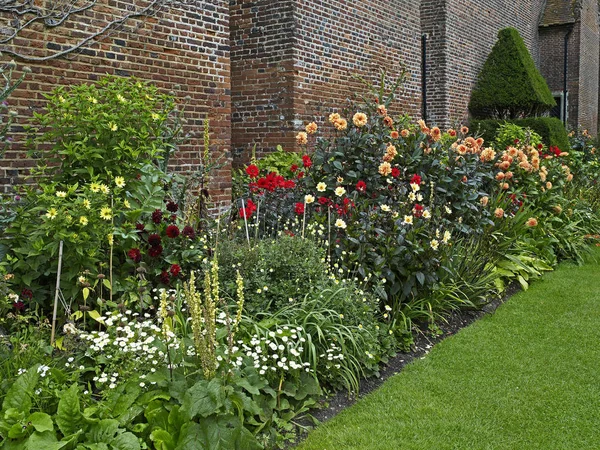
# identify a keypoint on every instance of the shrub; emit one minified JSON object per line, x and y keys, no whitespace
{"x":550,"y":129}
{"x":509,"y":85}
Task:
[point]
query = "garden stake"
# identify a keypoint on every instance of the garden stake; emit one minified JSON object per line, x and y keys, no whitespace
{"x":257,"y":222}
{"x":56,"y":292}
{"x":110,"y":262}
{"x":245,"y":221}
{"x":303,"y":218}
{"x":329,"y":233}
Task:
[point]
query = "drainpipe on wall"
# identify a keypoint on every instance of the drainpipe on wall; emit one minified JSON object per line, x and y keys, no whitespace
{"x":565,"y":74}
{"x":424,"y":75}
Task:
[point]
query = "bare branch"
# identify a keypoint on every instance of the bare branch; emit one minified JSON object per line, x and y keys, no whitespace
{"x":57,"y":14}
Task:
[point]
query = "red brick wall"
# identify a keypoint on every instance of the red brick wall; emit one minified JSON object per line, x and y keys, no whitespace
{"x":262,"y":76}
{"x":337,"y":38}
{"x":552,"y":44}
{"x":186,"y":45}
{"x":587,"y":115}
{"x":463,"y":34}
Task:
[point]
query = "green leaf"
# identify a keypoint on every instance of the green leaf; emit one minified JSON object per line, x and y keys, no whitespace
{"x":96,"y":316}
{"x":41,"y":422}
{"x":216,"y":433}
{"x":125,"y":441}
{"x":86,"y":293}
{"x":68,"y":416}
{"x":162,"y":439}
{"x":203,"y":399}
{"x":46,"y":441}
{"x":19,"y":395}
{"x":103,"y":431}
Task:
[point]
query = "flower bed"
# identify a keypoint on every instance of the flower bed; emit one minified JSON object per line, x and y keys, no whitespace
{"x":177,"y":327}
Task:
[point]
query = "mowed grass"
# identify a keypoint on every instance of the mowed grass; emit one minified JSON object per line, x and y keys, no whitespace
{"x":526,"y":377}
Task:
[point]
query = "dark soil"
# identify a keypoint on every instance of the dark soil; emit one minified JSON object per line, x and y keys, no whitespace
{"x":422,"y":345}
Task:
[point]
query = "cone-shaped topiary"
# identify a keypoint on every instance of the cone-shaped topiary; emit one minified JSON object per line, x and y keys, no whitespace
{"x":509,"y":85}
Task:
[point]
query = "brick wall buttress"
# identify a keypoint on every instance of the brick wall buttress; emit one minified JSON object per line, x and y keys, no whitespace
{"x":262,"y":76}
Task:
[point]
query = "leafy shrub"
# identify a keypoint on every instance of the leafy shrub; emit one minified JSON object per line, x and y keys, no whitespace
{"x":100,"y":131}
{"x":510,"y":135}
{"x":509,"y":85}
{"x":550,"y":129}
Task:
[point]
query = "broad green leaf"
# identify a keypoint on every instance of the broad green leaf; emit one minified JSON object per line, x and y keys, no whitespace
{"x":46,"y":441}
{"x":19,"y":395}
{"x":125,"y":441}
{"x":213,"y":433}
{"x":203,"y":399}
{"x":103,"y":431}
{"x":68,"y":416}
{"x":41,"y":422}
{"x":162,"y":439}
{"x":96,"y":316}
{"x":86,"y":293}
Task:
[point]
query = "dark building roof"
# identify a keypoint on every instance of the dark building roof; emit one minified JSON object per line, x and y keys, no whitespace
{"x":558,"y":12}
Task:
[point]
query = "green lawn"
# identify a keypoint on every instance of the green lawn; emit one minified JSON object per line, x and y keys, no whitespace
{"x":526,"y":377}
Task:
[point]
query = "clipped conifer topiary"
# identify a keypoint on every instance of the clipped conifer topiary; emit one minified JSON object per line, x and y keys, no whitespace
{"x":509,"y":85}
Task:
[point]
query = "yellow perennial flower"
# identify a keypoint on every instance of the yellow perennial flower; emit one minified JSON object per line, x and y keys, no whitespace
{"x":83,"y":220}
{"x":120,"y":182}
{"x":52,"y":213}
{"x":106,"y":213}
{"x":61,"y":194}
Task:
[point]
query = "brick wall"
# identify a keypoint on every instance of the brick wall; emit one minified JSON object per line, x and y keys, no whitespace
{"x":262,"y":76}
{"x":552,"y":43}
{"x":187,"y":45}
{"x":338,"y":38}
{"x":469,"y":32}
{"x":588,"y":66}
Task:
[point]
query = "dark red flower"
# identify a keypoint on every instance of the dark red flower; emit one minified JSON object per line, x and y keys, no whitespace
{"x":516,"y":141}
{"x":27,"y":293}
{"x":293,"y":168}
{"x":395,"y":172}
{"x":289,"y":233}
{"x":189,"y":232}
{"x":249,"y":210}
{"x":252,"y":171}
{"x":175,"y":270}
{"x":300,"y":175}
{"x":19,"y":305}
{"x":164,"y":277}
{"x":290,"y":184}
{"x":157,"y":216}
{"x":323,"y":200}
{"x":306,"y":161}
{"x":361,"y":186}
{"x":154,"y":240}
{"x":140,"y":227}
{"x":172,"y":207}
{"x":416,"y":179}
{"x":418,"y":210}
{"x":135,"y":255}
{"x":299,"y":208}
{"x":155,"y":252}
{"x":172,"y":231}
{"x":540,"y":146}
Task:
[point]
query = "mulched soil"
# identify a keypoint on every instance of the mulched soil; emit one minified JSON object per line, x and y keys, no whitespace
{"x":423,"y":343}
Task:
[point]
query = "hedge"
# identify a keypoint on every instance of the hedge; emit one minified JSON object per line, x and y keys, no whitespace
{"x":509,"y":85}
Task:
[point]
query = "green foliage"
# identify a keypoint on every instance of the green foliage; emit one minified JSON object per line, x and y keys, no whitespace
{"x":550,"y":129}
{"x":509,"y":85}
{"x":100,"y":131}
{"x":511,"y":135}
{"x":275,"y":271}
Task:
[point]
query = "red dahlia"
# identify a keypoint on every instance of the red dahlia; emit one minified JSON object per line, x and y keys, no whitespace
{"x":135,"y":255}
{"x":416,"y":179}
{"x":252,"y":171}
{"x":306,"y":161}
{"x":157,"y":216}
{"x":299,"y":208}
{"x":155,"y":252}
{"x":154,"y":240}
{"x":395,"y":172}
{"x":172,"y":231}
{"x":361,"y":186}
{"x":172,"y":207}
{"x":175,"y":269}
{"x":164,"y":277}
{"x":188,"y":232}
